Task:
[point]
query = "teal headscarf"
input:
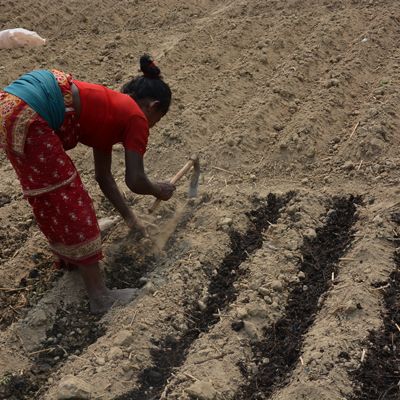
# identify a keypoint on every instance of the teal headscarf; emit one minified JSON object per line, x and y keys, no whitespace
{"x":41,"y":91}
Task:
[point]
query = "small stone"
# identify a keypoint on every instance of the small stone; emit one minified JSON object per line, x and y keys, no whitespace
{"x":241,"y":313}
{"x":291,"y":245}
{"x":268,"y":299}
{"x":351,"y":306}
{"x":201,"y":390}
{"x":71,"y":387}
{"x":331,"y":213}
{"x":301,"y":275}
{"x":291,"y":210}
{"x":264,"y":291}
{"x":277,"y":286}
{"x":331,"y":82}
{"x":149,"y":288}
{"x":202,"y":305}
{"x":310,"y":234}
{"x":378,"y":220}
{"x":100,"y":361}
{"x":283,"y":144}
{"x":118,"y":76}
{"x":311,"y":153}
{"x":115,"y":353}
{"x":373,"y":112}
{"x":123,"y":338}
{"x":126,"y":366}
{"x":254,"y":286}
{"x":254,"y":368}
{"x":226,"y":221}
{"x":348,"y":165}
{"x":141,"y":326}
{"x":278,"y":127}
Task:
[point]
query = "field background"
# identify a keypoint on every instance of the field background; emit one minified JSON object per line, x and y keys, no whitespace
{"x":274,"y":97}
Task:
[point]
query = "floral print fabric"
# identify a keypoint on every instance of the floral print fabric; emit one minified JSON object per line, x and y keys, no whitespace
{"x":50,"y":181}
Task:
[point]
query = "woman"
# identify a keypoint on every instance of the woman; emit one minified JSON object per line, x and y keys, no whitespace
{"x":45,"y":113}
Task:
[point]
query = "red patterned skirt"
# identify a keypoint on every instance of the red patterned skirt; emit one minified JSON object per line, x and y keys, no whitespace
{"x":49,"y":179}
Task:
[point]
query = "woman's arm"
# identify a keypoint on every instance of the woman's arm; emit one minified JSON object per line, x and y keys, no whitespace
{"x":137,"y":181}
{"x":106,"y":181}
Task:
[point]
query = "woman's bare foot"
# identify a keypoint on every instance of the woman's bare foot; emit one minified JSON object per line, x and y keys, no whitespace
{"x":112,"y":298}
{"x":101,"y":298}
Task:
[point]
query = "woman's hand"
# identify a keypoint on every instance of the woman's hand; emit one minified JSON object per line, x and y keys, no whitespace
{"x":134,"y":222}
{"x":167,"y":190}
{"x":137,"y":181}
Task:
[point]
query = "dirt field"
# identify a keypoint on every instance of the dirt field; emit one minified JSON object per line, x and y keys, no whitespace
{"x":280,"y":279}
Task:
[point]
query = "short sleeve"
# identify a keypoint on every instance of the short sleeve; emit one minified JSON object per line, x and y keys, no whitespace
{"x":136,"y":134}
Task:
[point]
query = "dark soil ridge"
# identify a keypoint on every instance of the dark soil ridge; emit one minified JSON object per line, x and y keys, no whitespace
{"x":283,"y":340}
{"x":171,"y":353}
{"x":378,"y":376}
{"x":74,"y":330}
{"x":29,"y":291}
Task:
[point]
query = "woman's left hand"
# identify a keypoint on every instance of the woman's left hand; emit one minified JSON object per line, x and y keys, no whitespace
{"x":134,"y":222}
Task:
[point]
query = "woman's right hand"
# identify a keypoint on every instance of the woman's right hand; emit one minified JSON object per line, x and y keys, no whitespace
{"x":167,"y":190}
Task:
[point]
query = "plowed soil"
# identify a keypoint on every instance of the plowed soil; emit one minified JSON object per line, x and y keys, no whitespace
{"x":280,"y":279}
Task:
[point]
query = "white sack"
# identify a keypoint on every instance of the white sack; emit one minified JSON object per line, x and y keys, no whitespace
{"x":19,"y":37}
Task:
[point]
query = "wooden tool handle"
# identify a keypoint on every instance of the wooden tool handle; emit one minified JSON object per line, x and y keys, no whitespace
{"x":175,"y":179}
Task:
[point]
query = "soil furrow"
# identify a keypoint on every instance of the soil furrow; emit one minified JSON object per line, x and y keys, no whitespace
{"x":278,"y":352}
{"x":379,"y":372}
{"x":171,"y":353}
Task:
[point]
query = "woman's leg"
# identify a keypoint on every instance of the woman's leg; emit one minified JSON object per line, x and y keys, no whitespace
{"x":101,"y":298}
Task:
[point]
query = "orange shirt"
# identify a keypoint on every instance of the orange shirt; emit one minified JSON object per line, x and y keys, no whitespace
{"x":110,"y":117}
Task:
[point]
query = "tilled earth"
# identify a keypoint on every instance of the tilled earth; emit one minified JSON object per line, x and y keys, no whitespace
{"x":280,"y":280}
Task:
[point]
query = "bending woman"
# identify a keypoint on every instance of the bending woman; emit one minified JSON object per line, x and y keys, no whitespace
{"x":45,"y":113}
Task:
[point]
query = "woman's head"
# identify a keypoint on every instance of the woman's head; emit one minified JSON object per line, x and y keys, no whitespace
{"x":149,"y":86}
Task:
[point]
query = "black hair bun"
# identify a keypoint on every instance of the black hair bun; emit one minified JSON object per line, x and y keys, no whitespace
{"x":148,"y":67}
